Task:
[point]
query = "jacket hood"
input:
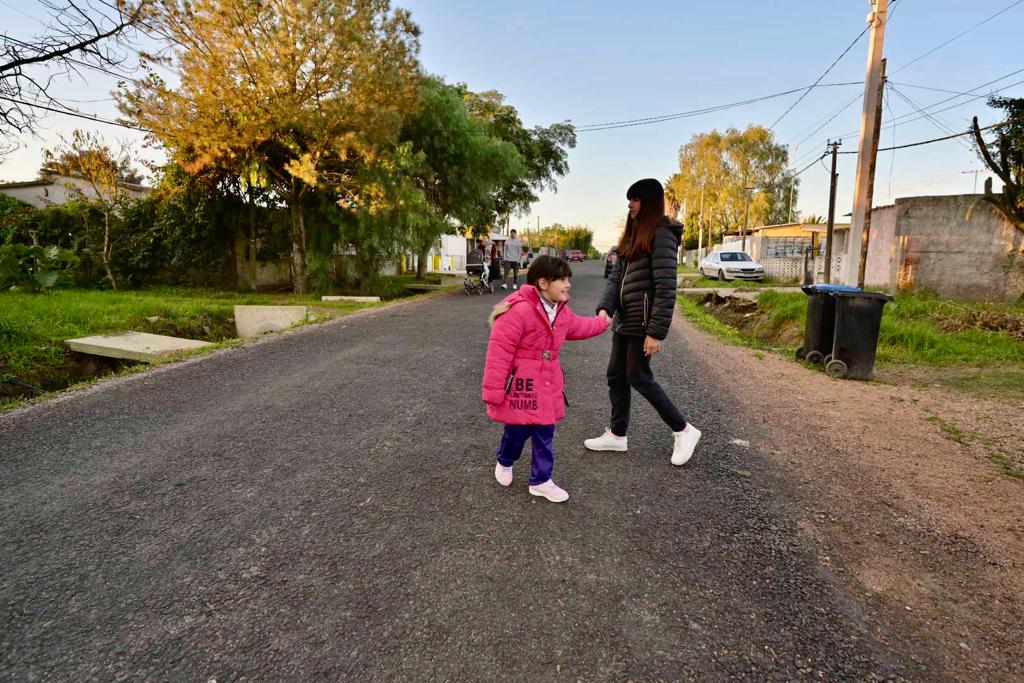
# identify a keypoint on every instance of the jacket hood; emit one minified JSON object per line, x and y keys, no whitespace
{"x":675,"y":226}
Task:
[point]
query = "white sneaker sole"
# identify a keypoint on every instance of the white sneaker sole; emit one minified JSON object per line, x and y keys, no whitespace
{"x":540,"y":494}
{"x":606,"y":447}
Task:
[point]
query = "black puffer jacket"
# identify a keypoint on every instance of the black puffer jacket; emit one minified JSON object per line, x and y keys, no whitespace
{"x":641,"y":294}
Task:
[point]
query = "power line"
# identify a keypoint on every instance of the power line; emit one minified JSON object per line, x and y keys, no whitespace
{"x":808,"y":90}
{"x":905,"y":118}
{"x":77,"y":114}
{"x":928,"y":142}
{"x":695,"y":112}
{"x":931,"y":118}
{"x":809,"y":165}
{"x":959,"y":35}
{"x":832,"y":66}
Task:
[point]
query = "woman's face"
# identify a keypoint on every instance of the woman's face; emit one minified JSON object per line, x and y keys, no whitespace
{"x":634,"y":207}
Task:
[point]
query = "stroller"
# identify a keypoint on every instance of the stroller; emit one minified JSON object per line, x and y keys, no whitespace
{"x":477,"y":280}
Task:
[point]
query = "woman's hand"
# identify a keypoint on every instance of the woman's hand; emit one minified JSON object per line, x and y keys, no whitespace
{"x":603,"y":315}
{"x":651,"y":346}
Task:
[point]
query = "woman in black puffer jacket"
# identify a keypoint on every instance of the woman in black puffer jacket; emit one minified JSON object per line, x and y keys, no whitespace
{"x":641,"y":297}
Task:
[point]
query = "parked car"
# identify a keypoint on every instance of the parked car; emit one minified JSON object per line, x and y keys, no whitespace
{"x":731,"y":265}
{"x":609,"y":261}
{"x":575,"y":255}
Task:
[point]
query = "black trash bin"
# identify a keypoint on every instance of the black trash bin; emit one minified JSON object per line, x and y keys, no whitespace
{"x":858,"y":321}
{"x":821,"y":321}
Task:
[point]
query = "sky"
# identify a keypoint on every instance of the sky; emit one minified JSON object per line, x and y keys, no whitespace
{"x":596,"y":62}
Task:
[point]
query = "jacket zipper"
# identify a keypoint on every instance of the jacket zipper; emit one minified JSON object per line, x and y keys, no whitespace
{"x":508,"y":382}
{"x":645,"y":309}
{"x":622,"y":285}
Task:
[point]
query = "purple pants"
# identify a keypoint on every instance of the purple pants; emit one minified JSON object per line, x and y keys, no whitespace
{"x":542,"y":437}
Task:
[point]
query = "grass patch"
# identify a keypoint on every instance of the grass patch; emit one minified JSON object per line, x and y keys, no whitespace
{"x":1005,"y":464}
{"x":696,"y":313}
{"x":918,"y":330}
{"x":708,"y":283}
{"x":949,"y":431}
{"x":33,"y":328}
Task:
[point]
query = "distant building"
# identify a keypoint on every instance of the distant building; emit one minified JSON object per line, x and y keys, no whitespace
{"x":52,"y":189}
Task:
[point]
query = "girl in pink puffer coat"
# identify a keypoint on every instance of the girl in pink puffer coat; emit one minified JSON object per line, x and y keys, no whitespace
{"x":524,"y":386}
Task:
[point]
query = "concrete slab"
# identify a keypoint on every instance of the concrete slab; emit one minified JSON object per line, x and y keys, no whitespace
{"x":252,"y":321}
{"x":353,"y":299}
{"x":140,"y":346}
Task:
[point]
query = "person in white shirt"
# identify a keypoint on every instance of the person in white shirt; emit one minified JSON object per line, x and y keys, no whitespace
{"x":513,"y":256}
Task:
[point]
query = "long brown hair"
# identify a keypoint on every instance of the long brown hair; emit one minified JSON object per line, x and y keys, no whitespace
{"x":638,"y":236}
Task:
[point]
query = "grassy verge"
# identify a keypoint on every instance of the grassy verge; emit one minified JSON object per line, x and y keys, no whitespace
{"x":917,"y":330}
{"x":33,"y":327}
{"x":708,"y":283}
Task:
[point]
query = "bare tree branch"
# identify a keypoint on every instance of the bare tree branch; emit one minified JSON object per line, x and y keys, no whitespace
{"x":77,"y":35}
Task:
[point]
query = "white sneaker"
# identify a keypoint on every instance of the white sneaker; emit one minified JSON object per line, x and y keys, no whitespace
{"x":686,"y":441}
{"x":551,"y":491}
{"x":503,"y":474}
{"x":504,"y":286}
{"x":515,"y":286}
{"x":606,"y":442}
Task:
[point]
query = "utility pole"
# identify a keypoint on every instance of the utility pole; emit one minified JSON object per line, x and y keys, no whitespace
{"x":868,"y":140}
{"x":834,"y":146}
{"x":975,"y":172}
{"x":746,"y":219}
{"x":792,"y":183}
{"x":871,"y":185}
{"x":700,"y":227}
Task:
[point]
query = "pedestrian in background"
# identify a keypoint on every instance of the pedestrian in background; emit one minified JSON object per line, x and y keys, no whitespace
{"x":641,"y":297}
{"x":523,"y":385}
{"x":513,"y":254}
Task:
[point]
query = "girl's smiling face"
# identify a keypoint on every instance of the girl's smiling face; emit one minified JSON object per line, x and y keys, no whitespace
{"x":556,"y":291}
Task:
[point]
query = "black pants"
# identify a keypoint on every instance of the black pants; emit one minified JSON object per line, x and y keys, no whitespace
{"x":628,"y":369}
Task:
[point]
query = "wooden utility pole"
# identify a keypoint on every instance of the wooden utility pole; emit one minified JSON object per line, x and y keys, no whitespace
{"x":746,"y":216}
{"x":868,"y":141}
{"x":830,"y":231}
{"x":700,"y":227}
{"x":871,"y":184}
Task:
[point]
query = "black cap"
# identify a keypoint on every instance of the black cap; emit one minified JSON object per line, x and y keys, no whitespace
{"x":646,"y":190}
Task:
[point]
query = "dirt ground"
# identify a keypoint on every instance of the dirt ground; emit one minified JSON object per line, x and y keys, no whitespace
{"x":903,"y":488}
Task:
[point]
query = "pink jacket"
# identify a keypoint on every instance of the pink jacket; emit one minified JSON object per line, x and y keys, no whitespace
{"x":523,"y":382}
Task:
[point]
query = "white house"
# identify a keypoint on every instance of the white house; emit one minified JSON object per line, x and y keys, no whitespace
{"x":54,"y":189}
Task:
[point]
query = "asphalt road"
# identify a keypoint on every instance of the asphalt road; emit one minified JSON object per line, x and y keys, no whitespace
{"x":322,"y":506}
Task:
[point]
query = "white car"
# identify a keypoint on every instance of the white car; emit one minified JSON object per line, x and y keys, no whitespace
{"x":731,"y":265}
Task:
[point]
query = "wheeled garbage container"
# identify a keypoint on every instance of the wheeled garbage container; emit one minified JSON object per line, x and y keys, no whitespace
{"x":858,"y":320}
{"x":821,"y":321}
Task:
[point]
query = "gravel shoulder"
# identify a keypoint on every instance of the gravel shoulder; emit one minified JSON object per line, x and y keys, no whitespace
{"x":899,"y":491}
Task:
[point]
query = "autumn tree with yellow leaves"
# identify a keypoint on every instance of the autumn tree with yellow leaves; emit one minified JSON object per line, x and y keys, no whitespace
{"x":293,"y":96}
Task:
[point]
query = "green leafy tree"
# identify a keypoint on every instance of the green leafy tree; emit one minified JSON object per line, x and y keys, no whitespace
{"x":544,"y":150}
{"x":460,"y":167}
{"x":293,"y":95}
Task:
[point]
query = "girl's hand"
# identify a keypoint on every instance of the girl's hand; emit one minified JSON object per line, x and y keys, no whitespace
{"x":651,"y":346}
{"x":603,"y":315}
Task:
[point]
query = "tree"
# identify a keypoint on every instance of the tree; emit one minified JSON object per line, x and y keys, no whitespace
{"x":1005,"y":156}
{"x":460,"y":166}
{"x":544,"y":150}
{"x":812,"y":219}
{"x":716,"y":170}
{"x":78,"y":36}
{"x":101,"y":167}
{"x":296,"y":95}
